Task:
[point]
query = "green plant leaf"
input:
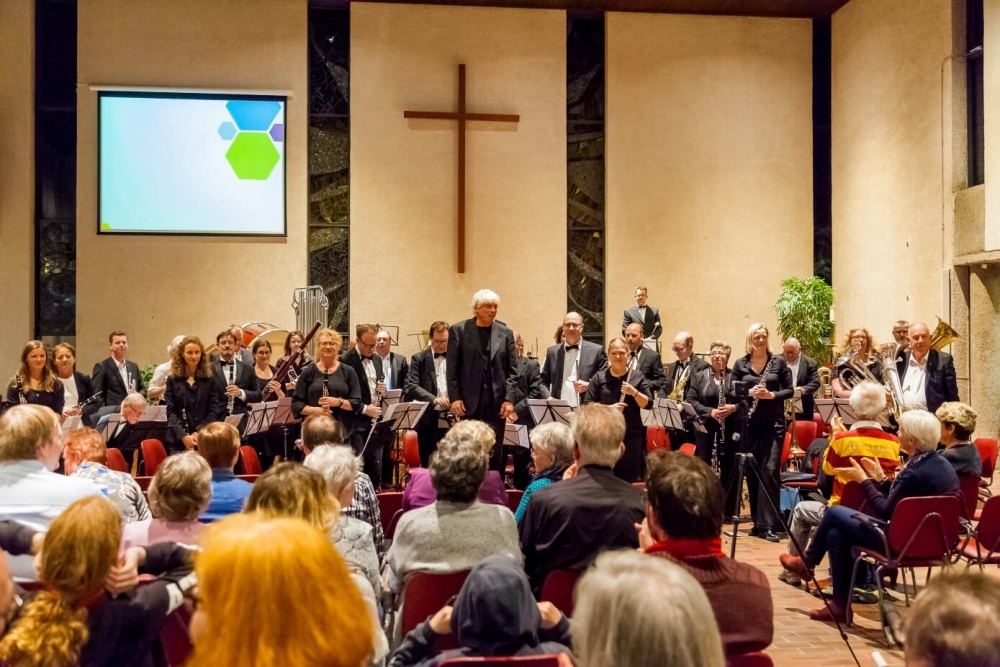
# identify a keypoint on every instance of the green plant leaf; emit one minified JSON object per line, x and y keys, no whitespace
{"x":803,"y":311}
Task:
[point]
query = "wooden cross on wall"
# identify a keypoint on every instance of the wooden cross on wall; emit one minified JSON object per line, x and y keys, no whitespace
{"x":461,"y":116}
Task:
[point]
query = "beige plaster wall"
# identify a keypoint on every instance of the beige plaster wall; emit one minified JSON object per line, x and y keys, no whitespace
{"x":403,"y":173}
{"x":991,"y":101}
{"x":709,"y":169}
{"x":17,"y":182}
{"x":157,"y":287}
{"x":892,"y":162}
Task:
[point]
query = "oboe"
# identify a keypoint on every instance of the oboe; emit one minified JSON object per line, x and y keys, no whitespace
{"x":20,"y":389}
{"x":720,"y":437}
{"x":762,"y":383}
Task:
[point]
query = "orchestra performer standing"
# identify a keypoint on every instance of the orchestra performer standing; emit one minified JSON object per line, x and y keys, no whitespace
{"x":427,"y":380}
{"x":805,"y":379}
{"x":571,"y":364}
{"x":78,"y":387}
{"x":643,"y":314}
{"x":368,"y":367}
{"x":192,"y":396}
{"x":235,"y":379}
{"x":927,"y":376}
{"x":643,"y":359}
{"x":116,"y":376}
{"x":35,"y":382}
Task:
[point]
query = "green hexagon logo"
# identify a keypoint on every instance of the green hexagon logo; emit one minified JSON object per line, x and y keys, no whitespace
{"x":252,"y":156}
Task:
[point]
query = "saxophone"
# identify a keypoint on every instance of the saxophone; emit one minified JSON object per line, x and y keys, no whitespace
{"x":762,"y":383}
{"x":677,"y":393}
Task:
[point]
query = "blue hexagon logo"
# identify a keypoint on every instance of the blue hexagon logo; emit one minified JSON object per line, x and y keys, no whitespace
{"x":227,"y":130}
{"x":253,"y":115}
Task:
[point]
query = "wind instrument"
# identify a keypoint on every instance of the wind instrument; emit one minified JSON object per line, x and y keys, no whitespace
{"x":890,"y":377}
{"x":761,"y":383}
{"x":20,"y":388}
{"x":794,"y":450}
{"x":943,"y":335}
{"x":281,"y":374}
{"x":230,"y":399}
{"x":855,"y":369}
{"x":90,"y":401}
{"x":677,"y":393}
{"x":720,"y":437}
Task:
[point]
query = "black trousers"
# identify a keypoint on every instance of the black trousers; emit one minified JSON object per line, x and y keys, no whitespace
{"x":705,"y":443}
{"x":764,"y":439}
{"x":428,"y":439}
{"x":631,"y":467}
{"x":488,"y":411}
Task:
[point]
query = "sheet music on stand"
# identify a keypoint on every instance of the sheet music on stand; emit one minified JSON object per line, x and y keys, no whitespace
{"x":694,"y":417}
{"x":669,"y":413}
{"x":650,"y":344}
{"x":841,"y":407}
{"x":392,"y":397}
{"x":154,"y":413}
{"x":651,"y":416}
{"x":234,"y":420}
{"x":73,"y":423}
{"x":398,"y":417}
{"x":516,"y":435}
{"x":108,"y":424}
{"x":259,"y":417}
{"x":283,"y":413}
{"x":545,"y":410}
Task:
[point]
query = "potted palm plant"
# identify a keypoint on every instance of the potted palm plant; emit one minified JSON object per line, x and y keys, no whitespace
{"x":803,"y":311}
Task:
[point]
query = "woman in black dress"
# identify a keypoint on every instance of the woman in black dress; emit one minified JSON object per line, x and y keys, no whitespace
{"x":328,"y":387}
{"x":628,"y":391}
{"x":193,"y":399}
{"x":268,"y":444}
{"x":76,"y":385}
{"x":35,"y":382}
{"x":770,"y":383}
{"x":293,"y":341}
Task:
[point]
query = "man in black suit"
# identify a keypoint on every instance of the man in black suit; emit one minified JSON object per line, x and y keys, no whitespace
{"x":805,"y":379}
{"x":570,"y":364}
{"x":395,"y":368}
{"x":688,"y":365}
{"x":482,"y":367}
{"x":131,"y":408}
{"x":529,"y":385}
{"x":368,"y":367}
{"x":427,"y":380}
{"x":115,"y":377}
{"x":927,"y":376}
{"x":643,"y":359}
{"x":233,"y":378}
{"x":647,"y":316}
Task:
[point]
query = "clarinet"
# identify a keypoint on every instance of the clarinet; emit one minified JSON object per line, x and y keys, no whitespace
{"x":184,"y":418}
{"x":230,"y":400}
{"x":762,"y":383}
{"x":20,"y":389}
{"x":720,"y":437}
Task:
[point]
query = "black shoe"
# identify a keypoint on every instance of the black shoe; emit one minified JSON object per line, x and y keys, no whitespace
{"x":769,"y":535}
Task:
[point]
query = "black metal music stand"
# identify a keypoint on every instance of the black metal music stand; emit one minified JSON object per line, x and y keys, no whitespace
{"x":545,"y":410}
{"x":285,"y":418}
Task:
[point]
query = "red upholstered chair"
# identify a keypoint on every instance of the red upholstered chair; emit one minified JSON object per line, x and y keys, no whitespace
{"x":175,"y":640}
{"x":249,"y":461}
{"x":411,"y":449}
{"x":988,"y":455}
{"x":423,"y":595}
{"x":116,"y":460}
{"x":153,"y":454}
{"x":389,"y":503}
{"x":143,"y":482}
{"x":984,"y":547}
{"x":552,"y":660}
{"x":514,"y":499}
{"x":922,"y":532}
{"x":657,"y":438}
{"x":822,"y":428}
{"x":390,"y":530}
{"x":558,"y":589}
{"x":750,"y":660}
{"x":688,"y":448}
{"x":970,"y":495}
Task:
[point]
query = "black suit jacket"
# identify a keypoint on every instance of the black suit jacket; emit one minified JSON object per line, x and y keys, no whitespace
{"x":808,"y":379}
{"x":468,"y":367}
{"x":529,"y":385}
{"x":107,"y":379}
{"x":362,"y":422}
{"x":84,"y":390}
{"x":592,"y":359}
{"x":396,"y":372}
{"x":651,"y":327}
{"x":118,"y":441}
{"x":941,"y":384}
{"x":203,"y":407}
{"x":245,"y":378}
{"x":651,"y":367}
{"x":697,"y":366}
{"x":421,"y":385}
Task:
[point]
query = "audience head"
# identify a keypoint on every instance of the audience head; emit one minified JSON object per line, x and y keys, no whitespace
{"x":636,"y":610}
{"x":328,"y":343}
{"x":9,"y":605}
{"x":339,"y":466}
{"x":181,"y":488}
{"x":868,"y":400}
{"x":293,"y":490}
{"x":190,"y":353}
{"x":551,"y":445}
{"x":757,"y":338}
{"x":598,"y":435}
{"x":495,"y":613}
{"x":84,"y":444}
{"x":77,"y":554}
{"x":219,"y":443}
{"x":284,"y":579}
{"x":919,"y":431}
{"x":320,"y":430}
{"x":31,"y":432}
{"x":35,"y":361}
{"x":955,"y":621}
{"x":478,"y":432}
{"x":958,"y":422}
{"x":684,"y":498}
{"x":458,"y":468}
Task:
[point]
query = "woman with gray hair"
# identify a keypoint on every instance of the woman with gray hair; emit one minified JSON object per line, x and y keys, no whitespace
{"x":643,"y":612}
{"x":179,"y":493}
{"x":926,"y":473}
{"x":958,"y":422}
{"x":353,"y":537}
{"x":552,"y":452}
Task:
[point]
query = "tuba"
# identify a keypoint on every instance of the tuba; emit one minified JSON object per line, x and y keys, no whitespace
{"x":943,"y":335}
{"x":855,"y":369}
{"x":887,"y":362}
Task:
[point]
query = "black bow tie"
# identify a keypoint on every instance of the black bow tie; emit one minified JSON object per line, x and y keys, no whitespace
{"x":440,"y":354}
{"x":364,"y":358}
{"x":227,"y":363}
{"x":572,"y":347}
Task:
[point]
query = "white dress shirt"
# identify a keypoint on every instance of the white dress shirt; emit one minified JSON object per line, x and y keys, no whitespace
{"x":369,"y":367}
{"x":571,"y":373}
{"x":387,"y":370}
{"x":160,"y":376}
{"x":441,"y":373}
{"x":71,"y":392}
{"x":915,"y":384}
{"x":794,"y":368}
{"x":123,"y":371}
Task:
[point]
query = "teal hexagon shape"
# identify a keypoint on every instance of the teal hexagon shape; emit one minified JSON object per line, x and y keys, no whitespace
{"x":252,"y":156}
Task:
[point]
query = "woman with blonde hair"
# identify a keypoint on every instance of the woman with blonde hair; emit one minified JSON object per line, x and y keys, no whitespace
{"x":35,"y":382}
{"x":958,"y":423}
{"x":274,"y":591}
{"x":328,"y":387}
{"x":636,"y":611}
{"x":73,"y":621}
{"x":77,"y":386}
{"x":857,"y":339}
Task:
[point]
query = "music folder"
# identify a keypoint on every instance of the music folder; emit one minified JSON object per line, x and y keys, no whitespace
{"x":397,"y":417}
{"x":283,"y":414}
{"x":516,"y":435}
{"x":154,"y":413}
{"x":545,"y":410}
{"x":830,"y":407}
{"x":670,"y":413}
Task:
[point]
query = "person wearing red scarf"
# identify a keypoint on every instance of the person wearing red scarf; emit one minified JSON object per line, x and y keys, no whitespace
{"x":684,"y":513}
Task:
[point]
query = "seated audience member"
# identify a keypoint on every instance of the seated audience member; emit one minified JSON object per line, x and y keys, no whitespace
{"x":73,"y":620}
{"x":926,"y":473}
{"x":569,"y":523}
{"x":456,"y":531}
{"x":552,"y":452}
{"x":419,"y":491}
{"x":325,"y":430}
{"x":30,"y":445}
{"x":636,"y":611}
{"x":178,"y":495}
{"x":219,"y":443}
{"x":86,"y":457}
{"x":955,"y":621}
{"x":684,"y":524}
{"x":865,"y":439}
{"x":494,"y":615}
{"x":292,"y":490}
{"x":274,"y":591}
{"x":16,"y":540}
{"x":958,"y":422}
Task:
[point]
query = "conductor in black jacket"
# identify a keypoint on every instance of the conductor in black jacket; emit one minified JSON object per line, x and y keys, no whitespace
{"x":805,"y":379}
{"x":529,"y":385}
{"x":115,"y":376}
{"x":427,"y":380}
{"x":926,"y":376}
{"x":368,"y":367}
{"x":482,"y":368}
{"x":570,"y":365}
{"x":643,"y":359}
{"x":643,"y":314}
{"x":233,"y":377}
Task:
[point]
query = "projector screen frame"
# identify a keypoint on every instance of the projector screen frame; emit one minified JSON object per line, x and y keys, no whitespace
{"x":207,"y":94}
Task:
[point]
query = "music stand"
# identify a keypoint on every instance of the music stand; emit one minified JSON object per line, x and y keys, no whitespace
{"x":154,"y":413}
{"x":108,"y":424}
{"x":688,"y":410}
{"x":545,"y":410}
{"x":392,"y":397}
{"x":397,"y":417}
{"x":284,"y":417}
{"x":840,"y":407}
{"x":670,"y":413}
{"x":72,"y":423}
{"x":259,"y":417}
{"x":651,"y":416}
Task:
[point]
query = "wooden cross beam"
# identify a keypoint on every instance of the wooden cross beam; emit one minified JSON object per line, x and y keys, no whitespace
{"x":462,"y":117}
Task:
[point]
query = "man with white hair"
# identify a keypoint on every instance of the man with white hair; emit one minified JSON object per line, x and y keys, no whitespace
{"x":158,"y":385}
{"x":927,"y":377}
{"x":31,"y":493}
{"x":866,"y":439}
{"x":482,"y":369}
{"x":805,"y":379}
{"x":567,"y":524}
{"x":131,"y":409}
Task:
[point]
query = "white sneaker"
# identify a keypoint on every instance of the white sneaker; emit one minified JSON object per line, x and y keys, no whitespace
{"x":789,"y":578}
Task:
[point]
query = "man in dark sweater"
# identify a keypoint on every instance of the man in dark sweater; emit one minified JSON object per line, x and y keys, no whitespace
{"x":683,"y":524}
